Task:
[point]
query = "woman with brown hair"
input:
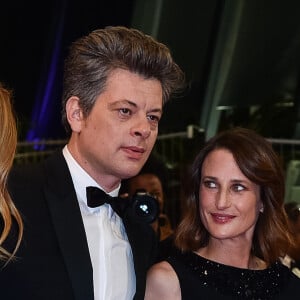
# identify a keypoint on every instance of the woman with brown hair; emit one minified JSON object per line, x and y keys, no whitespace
{"x":235,"y":229}
{"x":8,"y":142}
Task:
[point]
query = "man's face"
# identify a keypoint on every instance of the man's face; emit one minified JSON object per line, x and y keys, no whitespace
{"x":115,"y":140}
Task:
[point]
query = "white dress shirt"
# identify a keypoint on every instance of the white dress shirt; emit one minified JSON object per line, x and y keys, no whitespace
{"x":110,"y":251}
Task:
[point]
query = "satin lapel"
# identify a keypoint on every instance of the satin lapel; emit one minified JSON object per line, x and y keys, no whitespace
{"x":144,"y":249}
{"x":69,"y":228}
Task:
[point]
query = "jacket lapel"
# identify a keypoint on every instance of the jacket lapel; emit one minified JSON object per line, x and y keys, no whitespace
{"x":68,"y":224}
{"x":144,"y":249}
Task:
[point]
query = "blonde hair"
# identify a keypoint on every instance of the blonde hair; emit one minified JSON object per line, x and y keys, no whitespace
{"x":8,"y":143}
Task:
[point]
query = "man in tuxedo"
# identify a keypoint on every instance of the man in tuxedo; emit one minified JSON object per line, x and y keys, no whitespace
{"x":116,"y":81}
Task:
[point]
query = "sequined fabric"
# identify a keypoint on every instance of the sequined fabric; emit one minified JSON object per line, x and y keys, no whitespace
{"x":230,"y":282}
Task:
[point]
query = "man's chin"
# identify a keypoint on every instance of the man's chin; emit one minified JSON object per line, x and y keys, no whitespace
{"x":131,"y":173}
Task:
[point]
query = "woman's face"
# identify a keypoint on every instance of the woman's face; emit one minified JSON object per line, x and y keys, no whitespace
{"x":229,"y":202}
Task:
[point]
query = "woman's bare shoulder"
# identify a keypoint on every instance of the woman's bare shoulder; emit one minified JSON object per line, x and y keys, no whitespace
{"x":162,"y":283}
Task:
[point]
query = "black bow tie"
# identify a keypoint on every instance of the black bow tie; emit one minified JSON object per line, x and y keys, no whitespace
{"x":96,"y":197}
{"x":142,"y":207}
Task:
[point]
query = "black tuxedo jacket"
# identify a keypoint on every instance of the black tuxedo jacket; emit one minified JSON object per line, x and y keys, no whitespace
{"x":53,"y":261}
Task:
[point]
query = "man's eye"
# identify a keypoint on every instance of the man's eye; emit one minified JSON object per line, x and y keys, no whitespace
{"x":125,"y":111}
{"x":153,"y":118}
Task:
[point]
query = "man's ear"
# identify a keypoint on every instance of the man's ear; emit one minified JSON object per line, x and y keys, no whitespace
{"x":74,"y":114}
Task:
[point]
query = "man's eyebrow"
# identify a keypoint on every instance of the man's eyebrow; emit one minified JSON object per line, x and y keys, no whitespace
{"x":131,"y":103}
{"x":122,"y":102}
{"x":154,"y":110}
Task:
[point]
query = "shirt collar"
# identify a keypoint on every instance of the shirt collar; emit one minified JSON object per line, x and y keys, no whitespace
{"x":81,"y":179}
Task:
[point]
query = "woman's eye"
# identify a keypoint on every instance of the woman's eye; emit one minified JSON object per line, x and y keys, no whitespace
{"x":210,"y":184}
{"x":238,"y":187}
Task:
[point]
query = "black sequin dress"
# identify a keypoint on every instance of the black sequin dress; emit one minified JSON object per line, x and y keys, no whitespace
{"x":205,"y":279}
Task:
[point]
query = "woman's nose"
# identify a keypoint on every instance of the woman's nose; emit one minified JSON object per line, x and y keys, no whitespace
{"x":223,"y":199}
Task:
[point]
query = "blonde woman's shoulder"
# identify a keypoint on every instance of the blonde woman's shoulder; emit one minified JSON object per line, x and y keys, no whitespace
{"x":162,"y":283}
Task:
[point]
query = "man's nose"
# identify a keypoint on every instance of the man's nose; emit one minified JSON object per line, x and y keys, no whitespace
{"x":141,"y":128}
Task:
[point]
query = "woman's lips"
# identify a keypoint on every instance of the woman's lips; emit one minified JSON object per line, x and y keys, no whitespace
{"x":222,"y":218}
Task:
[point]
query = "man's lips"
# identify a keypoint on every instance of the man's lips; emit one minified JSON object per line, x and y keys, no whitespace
{"x":222,"y":218}
{"x":133,"y":151}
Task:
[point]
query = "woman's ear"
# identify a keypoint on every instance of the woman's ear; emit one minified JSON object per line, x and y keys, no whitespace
{"x":74,"y":114}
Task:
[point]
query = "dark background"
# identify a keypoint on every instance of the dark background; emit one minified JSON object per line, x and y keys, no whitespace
{"x":241,"y":59}
{"x":30,"y":33}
